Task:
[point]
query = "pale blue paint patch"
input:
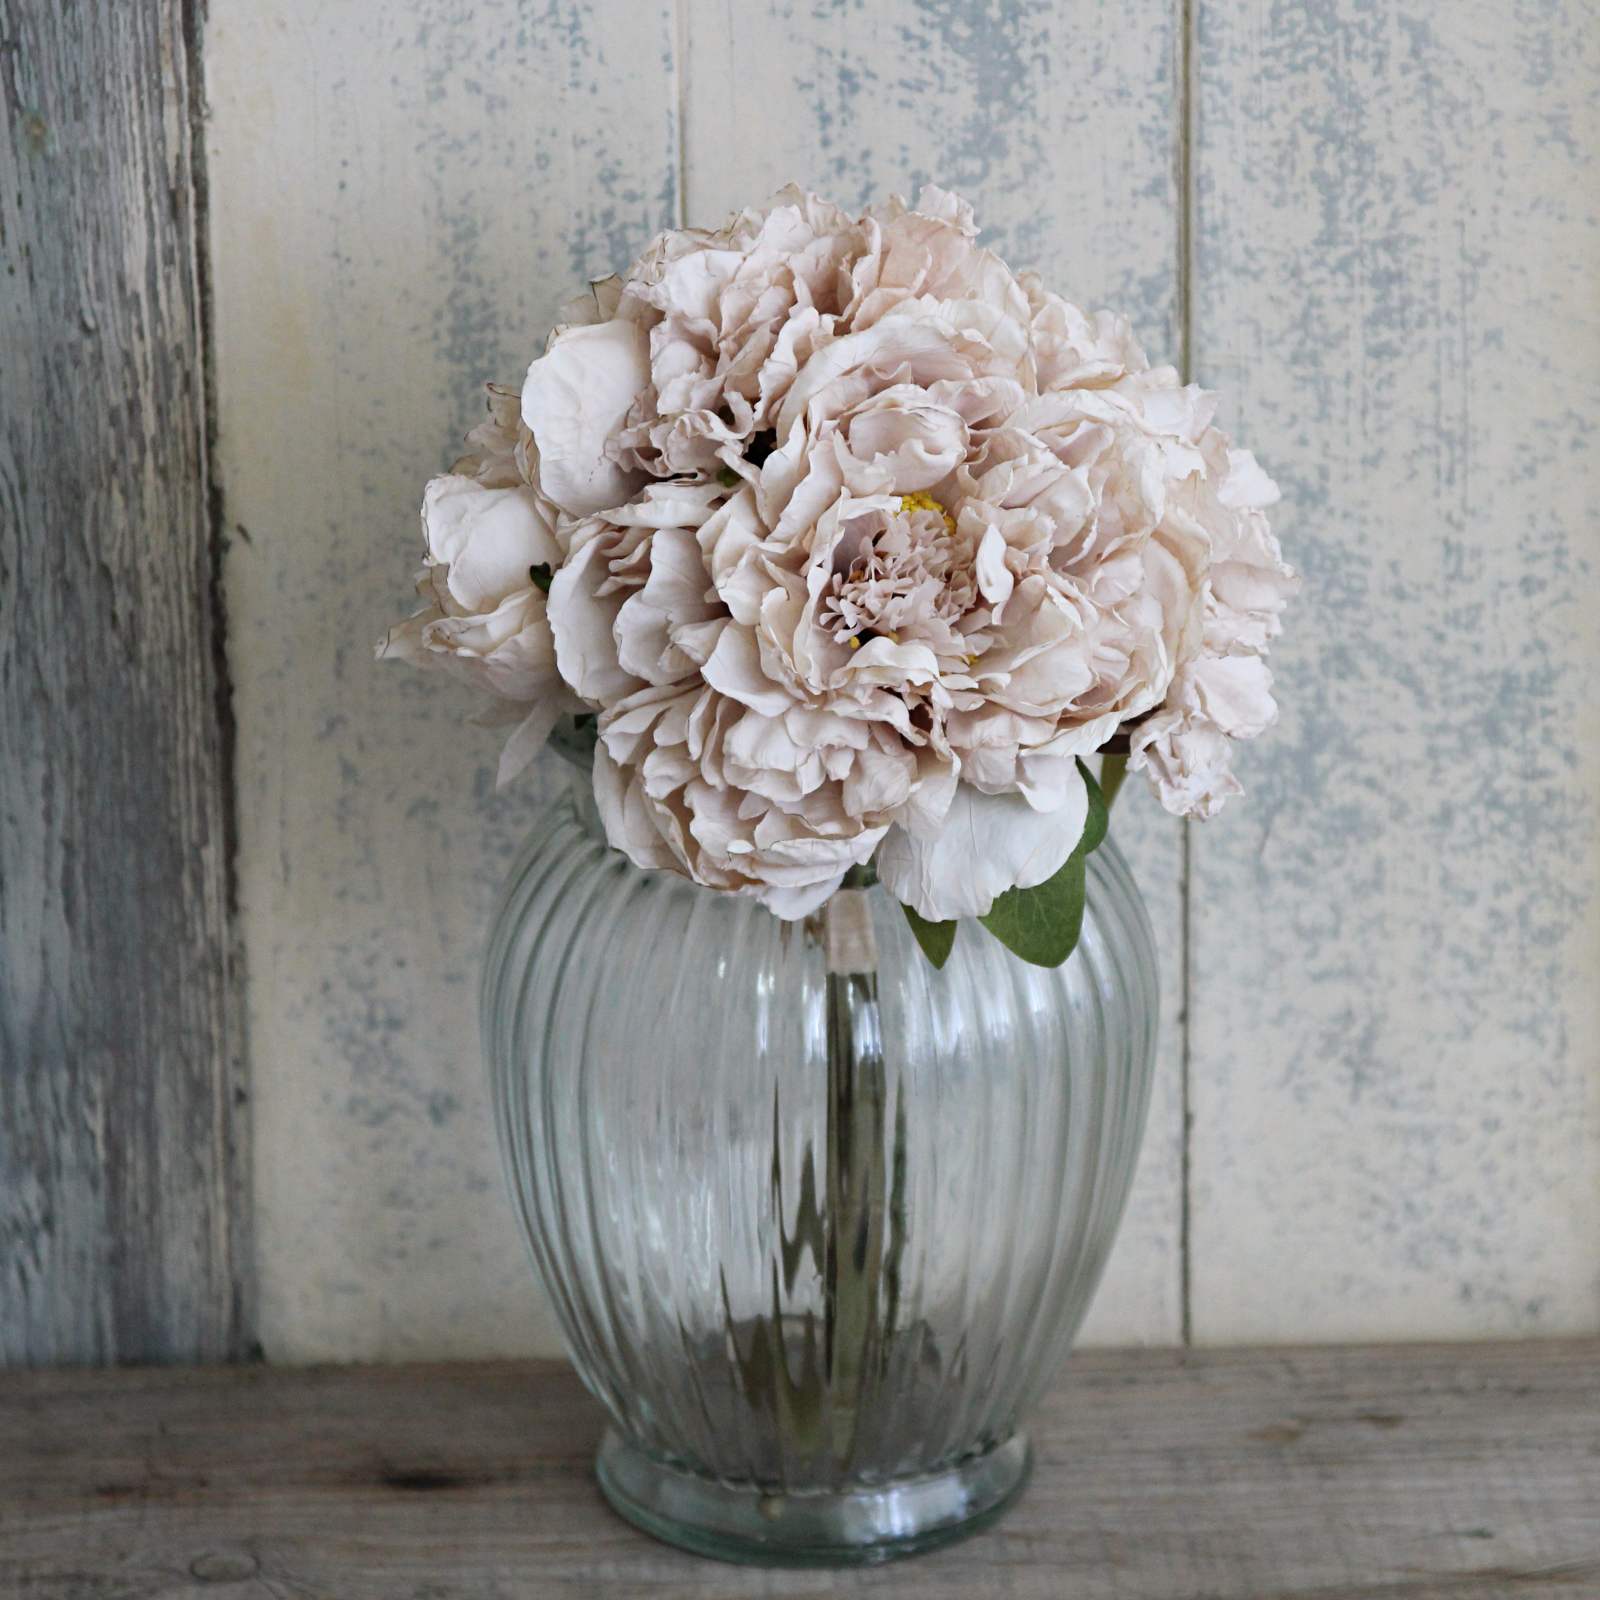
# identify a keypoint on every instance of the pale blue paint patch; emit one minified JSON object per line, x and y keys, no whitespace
{"x":1379,"y":279}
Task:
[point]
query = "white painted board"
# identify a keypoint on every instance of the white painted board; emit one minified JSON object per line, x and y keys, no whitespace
{"x":1396,"y":987}
{"x":403,"y":194}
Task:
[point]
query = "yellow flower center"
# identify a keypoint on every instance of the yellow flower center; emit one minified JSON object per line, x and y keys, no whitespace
{"x":926,"y":502}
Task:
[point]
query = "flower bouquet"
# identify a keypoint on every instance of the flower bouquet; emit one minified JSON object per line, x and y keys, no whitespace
{"x":829,"y":547}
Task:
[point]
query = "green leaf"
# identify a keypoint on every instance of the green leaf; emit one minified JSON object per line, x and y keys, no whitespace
{"x":1042,"y":924}
{"x":936,"y":938}
{"x":542,"y":575}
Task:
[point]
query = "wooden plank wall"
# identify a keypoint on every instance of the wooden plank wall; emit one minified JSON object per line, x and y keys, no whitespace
{"x":1372,"y":225}
{"x":1395,"y":1040}
{"x":410,"y":202}
{"x":122,"y":1136}
{"x":415,"y":188}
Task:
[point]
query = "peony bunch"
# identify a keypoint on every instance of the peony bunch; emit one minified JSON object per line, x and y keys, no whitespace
{"x":853,"y":541}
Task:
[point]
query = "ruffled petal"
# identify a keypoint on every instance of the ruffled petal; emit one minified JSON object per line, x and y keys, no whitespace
{"x":987,"y":845}
{"x":574,"y":401}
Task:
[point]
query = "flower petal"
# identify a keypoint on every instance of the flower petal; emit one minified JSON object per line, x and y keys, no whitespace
{"x":574,"y":401}
{"x":488,"y":538}
{"x":792,"y":905}
{"x":582,"y":621}
{"x":989,"y":843}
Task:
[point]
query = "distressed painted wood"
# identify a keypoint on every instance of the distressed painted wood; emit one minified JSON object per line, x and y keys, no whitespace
{"x":400,"y":211}
{"x":121,"y":1121}
{"x":1394,"y":1060}
{"x":406,"y":192}
{"x":1396,"y":1020}
{"x":1420,"y":1473}
{"x":1060,"y":121}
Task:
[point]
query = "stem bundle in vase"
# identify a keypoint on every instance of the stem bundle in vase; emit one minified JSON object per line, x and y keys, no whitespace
{"x":857,"y":1206}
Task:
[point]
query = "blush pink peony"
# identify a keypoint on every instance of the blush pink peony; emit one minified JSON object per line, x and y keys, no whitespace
{"x":854,"y":541}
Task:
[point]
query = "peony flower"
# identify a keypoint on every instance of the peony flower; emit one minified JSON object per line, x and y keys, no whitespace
{"x":490,"y":550}
{"x":855,"y":542}
{"x":1222,"y":690}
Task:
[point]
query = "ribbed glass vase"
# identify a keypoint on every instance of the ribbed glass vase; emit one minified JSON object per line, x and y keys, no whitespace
{"x":819,"y":1221}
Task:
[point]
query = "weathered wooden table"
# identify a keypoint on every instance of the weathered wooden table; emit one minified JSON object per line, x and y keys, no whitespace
{"x":1402,"y":1473}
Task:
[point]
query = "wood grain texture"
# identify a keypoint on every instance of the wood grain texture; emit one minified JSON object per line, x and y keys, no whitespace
{"x":1420,"y":1473}
{"x":120,"y":1234}
{"x":1060,"y":121}
{"x":405,"y":194}
{"x":1396,"y":1028}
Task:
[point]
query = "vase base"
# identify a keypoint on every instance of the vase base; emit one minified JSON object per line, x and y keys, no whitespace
{"x":854,"y":1527}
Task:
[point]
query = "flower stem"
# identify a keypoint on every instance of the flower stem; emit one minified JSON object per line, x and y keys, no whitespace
{"x":1113,"y":769}
{"x":857,"y":1175}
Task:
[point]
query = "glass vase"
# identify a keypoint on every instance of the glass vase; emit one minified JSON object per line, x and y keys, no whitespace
{"x":819,"y":1221}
